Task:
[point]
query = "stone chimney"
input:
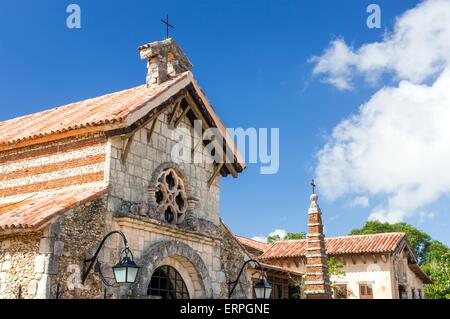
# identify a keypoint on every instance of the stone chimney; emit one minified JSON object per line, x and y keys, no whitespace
{"x":317,"y":276}
{"x":165,"y":61}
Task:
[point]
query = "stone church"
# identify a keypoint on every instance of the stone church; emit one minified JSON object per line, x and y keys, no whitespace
{"x":71,"y":174}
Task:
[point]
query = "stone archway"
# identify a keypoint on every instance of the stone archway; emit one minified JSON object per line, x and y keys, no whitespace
{"x":184,"y":259}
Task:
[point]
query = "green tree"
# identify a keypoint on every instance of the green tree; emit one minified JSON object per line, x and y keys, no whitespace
{"x":335,"y":269}
{"x":288,"y":236}
{"x":435,"y":251}
{"x":419,"y":240}
{"x":274,"y":238}
{"x":294,"y":236}
{"x":439,"y":271}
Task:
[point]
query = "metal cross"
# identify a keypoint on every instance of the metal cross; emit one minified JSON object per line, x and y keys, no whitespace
{"x":166,"y":22}
{"x":313,"y":185}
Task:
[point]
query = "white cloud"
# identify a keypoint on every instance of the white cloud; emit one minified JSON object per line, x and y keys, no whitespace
{"x":280,"y":232}
{"x":398,"y":145}
{"x":359,"y":201}
{"x":423,"y":216}
{"x":417,"y":49}
{"x":260,"y":239}
{"x":337,"y":61}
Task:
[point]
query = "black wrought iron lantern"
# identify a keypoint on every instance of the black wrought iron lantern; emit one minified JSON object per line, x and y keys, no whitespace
{"x":125,"y":272}
{"x":262,"y":289}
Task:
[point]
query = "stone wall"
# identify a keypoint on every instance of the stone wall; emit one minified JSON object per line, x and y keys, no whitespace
{"x":196,"y":256}
{"x":30,"y":261}
{"x":21,"y":268}
{"x":49,"y":264}
{"x":372,"y":270}
{"x":74,"y":237}
{"x":402,"y":274}
{"x":232,"y":258}
{"x":131,"y":180}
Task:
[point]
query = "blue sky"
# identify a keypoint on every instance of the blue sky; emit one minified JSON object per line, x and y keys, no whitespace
{"x":252,"y":59}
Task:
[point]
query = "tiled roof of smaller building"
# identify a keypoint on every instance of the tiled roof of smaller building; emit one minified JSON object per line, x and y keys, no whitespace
{"x":253,"y":243}
{"x":35,"y":210}
{"x":281,"y":269}
{"x":356,"y":244}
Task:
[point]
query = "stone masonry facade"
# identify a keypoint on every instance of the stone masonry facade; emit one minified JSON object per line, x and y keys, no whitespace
{"x":196,"y":248}
{"x":47,"y":261}
{"x":130,"y":181}
{"x":33,"y":265}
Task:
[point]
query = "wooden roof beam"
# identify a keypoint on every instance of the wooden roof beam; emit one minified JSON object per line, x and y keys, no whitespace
{"x":179,"y":119}
{"x":174,"y":112}
{"x":198,"y":114}
{"x":124,"y":156}
{"x":150,"y":132}
{"x":216,"y":171}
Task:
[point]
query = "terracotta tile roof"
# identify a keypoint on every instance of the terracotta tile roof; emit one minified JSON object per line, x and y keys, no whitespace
{"x":281,"y":269}
{"x":112,"y":108}
{"x":253,"y":243}
{"x":113,"y":111}
{"x":34,"y":211}
{"x":374,"y":243}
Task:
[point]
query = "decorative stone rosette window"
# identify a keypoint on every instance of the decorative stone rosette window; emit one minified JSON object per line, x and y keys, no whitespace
{"x":170,"y":196}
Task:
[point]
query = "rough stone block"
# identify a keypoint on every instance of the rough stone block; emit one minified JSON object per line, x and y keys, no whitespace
{"x":2,"y":277}
{"x":39,"y":264}
{"x":51,"y":264}
{"x":43,"y":288}
{"x":46,"y":245}
{"x":58,"y":248}
{"x":32,"y":287}
{"x":216,"y":264}
{"x":6,"y":265}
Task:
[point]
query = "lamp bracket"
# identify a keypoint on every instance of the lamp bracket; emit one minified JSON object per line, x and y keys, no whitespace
{"x":234,"y":283}
{"x":89,"y":263}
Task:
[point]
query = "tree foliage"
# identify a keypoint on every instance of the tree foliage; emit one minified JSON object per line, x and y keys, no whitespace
{"x":288,"y":236}
{"x":439,"y":271}
{"x":335,"y":269}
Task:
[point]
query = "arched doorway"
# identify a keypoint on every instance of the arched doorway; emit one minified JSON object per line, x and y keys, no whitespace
{"x":183,"y":259}
{"x":167,"y":283}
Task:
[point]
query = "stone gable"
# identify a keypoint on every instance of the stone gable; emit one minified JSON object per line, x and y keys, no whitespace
{"x":130,"y":181}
